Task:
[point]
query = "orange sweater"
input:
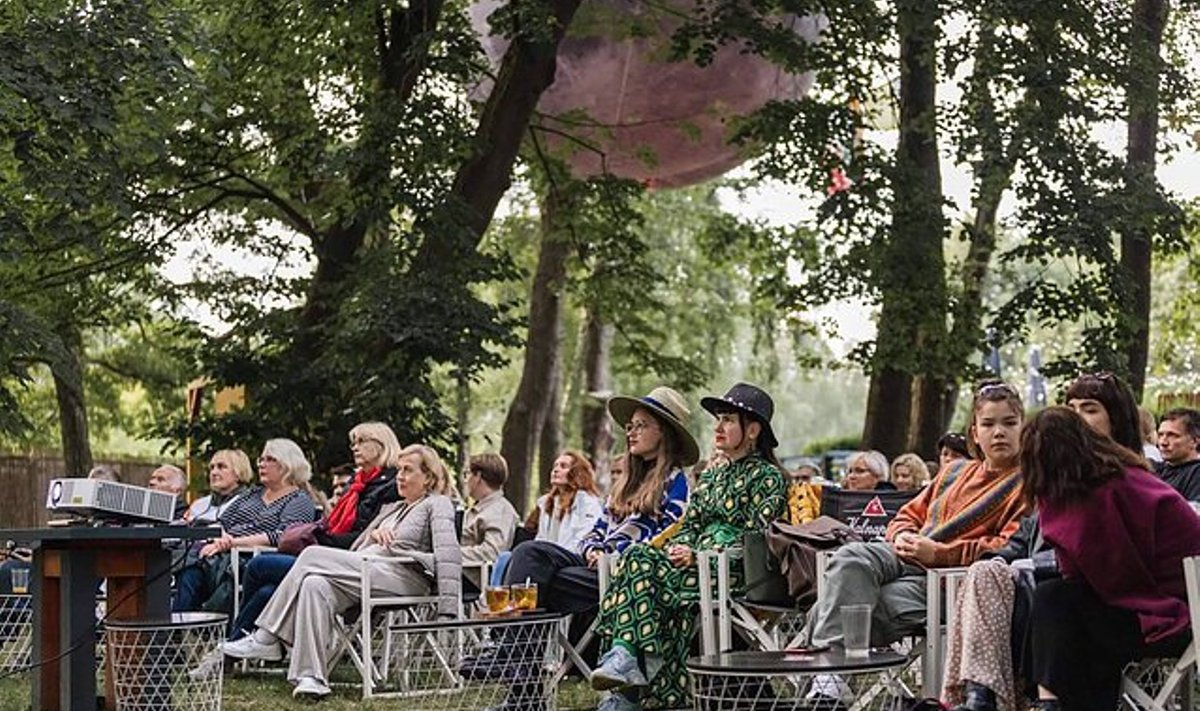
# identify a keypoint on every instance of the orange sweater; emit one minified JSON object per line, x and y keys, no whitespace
{"x":966,"y":514}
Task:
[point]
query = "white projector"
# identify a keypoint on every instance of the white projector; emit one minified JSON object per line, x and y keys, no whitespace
{"x":108,"y":499}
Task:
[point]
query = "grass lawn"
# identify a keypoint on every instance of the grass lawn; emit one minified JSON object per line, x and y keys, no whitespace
{"x":273,"y":693}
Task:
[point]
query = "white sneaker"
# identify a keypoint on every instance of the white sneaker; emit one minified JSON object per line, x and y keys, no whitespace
{"x":311,"y":686}
{"x":248,"y":648}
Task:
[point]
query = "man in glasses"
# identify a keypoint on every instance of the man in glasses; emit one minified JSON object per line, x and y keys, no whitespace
{"x":490,"y":522}
{"x":1179,"y":442}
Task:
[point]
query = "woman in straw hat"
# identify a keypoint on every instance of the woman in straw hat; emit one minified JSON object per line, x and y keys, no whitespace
{"x":649,"y":609}
{"x":648,"y":497}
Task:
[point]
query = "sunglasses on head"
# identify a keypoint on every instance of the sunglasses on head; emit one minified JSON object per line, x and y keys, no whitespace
{"x":996,"y":389}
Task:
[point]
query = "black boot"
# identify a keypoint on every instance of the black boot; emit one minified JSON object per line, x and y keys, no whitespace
{"x":979,"y":698}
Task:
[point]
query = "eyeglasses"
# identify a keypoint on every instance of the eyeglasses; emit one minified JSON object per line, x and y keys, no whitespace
{"x":1102,"y":375}
{"x":363,"y":440}
{"x":859,"y":470}
{"x":637,"y":427}
{"x":266,"y":458}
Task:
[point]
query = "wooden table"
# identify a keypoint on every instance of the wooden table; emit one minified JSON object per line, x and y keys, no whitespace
{"x":68,"y":563}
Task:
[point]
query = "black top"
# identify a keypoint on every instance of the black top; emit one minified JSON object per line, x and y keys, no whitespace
{"x":379,"y":491}
{"x":176,"y":620}
{"x":1184,"y":478}
{"x":108,"y":533}
{"x":795,"y":662}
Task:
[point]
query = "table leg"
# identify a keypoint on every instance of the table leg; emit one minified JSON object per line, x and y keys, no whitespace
{"x":45,"y":600}
{"x":77,"y":628}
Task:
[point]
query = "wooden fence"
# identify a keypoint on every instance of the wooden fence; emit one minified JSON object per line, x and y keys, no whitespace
{"x":24,"y":481}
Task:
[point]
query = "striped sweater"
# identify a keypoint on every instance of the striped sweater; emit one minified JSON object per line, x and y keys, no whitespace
{"x":249,"y":514}
{"x":966,"y":510}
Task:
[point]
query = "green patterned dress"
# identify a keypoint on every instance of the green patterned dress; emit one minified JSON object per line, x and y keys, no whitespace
{"x":652,"y":605}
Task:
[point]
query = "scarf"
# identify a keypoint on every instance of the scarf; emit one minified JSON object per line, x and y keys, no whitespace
{"x":344,"y":514}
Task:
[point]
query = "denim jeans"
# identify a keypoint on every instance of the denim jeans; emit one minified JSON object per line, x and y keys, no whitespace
{"x":263,"y":574}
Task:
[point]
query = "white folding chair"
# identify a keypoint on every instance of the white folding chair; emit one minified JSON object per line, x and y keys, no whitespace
{"x":1164,"y":684}
{"x":358,"y":640}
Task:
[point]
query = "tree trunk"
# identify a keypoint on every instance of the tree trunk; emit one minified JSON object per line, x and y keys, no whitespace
{"x":72,"y":413}
{"x":911,"y":333}
{"x":527,"y":70}
{"x":551,"y":442}
{"x":596,"y":426}
{"x":543,"y":354}
{"x":1145,"y":72}
{"x":463,"y":424}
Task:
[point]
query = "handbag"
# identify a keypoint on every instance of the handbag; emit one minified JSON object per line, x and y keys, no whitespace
{"x":765,"y":582}
{"x":298,"y":537}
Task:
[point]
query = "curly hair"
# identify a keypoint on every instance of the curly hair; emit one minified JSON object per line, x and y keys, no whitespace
{"x":579,"y":476}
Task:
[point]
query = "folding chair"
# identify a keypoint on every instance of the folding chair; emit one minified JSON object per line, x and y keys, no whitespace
{"x":358,"y":639}
{"x":1165,"y":684}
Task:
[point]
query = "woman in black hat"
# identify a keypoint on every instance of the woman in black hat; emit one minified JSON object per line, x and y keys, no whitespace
{"x":648,"y":612}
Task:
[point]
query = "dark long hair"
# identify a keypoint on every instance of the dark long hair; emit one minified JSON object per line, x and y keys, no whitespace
{"x":760,"y":446}
{"x":1117,"y":399}
{"x":1063,"y":460}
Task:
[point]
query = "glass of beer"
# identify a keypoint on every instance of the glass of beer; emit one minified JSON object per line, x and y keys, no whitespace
{"x":20,"y":581}
{"x":524,"y":596}
{"x":497,"y":599}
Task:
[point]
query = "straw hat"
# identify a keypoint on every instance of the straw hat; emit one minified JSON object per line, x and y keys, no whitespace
{"x":669,"y":407}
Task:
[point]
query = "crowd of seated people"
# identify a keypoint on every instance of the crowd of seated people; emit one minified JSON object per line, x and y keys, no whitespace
{"x":1071,"y":540}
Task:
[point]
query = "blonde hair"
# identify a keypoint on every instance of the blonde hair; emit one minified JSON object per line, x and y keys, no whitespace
{"x":237,"y":461}
{"x":437,"y":478}
{"x":915,"y":464}
{"x":386,"y":438}
{"x":296,"y":469}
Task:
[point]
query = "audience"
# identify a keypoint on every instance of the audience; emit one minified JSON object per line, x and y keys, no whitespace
{"x":339,"y":478}
{"x":1179,"y":440}
{"x":326,"y":581}
{"x":170,"y":479}
{"x":570,"y":509}
{"x":865,"y":471}
{"x":909,"y":472}
{"x":973,"y":506}
{"x":376,"y":452}
{"x":952,"y":447}
{"x":490,"y":521}
{"x":104,"y":472}
{"x":649,"y":611}
{"x":257,"y":518}
{"x":1149,"y":436}
{"x":649,"y":497}
{"x":1119,"y":535}
{"x":994,"y":598}
{"x":229,"y":476}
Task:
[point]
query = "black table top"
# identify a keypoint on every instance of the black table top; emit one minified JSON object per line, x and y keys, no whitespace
{"x":795,"y":662}
{"x":108,"y":533}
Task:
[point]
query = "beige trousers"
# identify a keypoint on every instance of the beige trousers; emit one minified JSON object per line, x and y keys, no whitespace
{"x":323,"y":582}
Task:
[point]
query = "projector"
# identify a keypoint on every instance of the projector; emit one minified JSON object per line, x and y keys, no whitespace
{"x":109,"y":500}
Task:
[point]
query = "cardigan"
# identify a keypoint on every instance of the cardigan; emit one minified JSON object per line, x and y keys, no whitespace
{"x":966,"y":510}
{"x":1127,"y":541}
{"x":424,"y":531}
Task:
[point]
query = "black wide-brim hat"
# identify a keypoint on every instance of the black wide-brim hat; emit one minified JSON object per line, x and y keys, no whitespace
{"x":670,"y":407}
{"x":750,"y":399}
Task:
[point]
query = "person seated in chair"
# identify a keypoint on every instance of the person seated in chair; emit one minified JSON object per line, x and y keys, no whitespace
{"x":229,"y":476}
{"x":376,"y":451}
{"x":971,"y":507}
{"x":170,"y":479}
{"x":418,"y":552}
{"x":1120,"y":535}
{"x":489,"y":523}
{"x":865,"y":471}
{"x":648,"y":613}
{"x":258,"y":518}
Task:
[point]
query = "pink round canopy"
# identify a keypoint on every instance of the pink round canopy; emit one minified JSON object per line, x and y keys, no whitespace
{"x":633,"y":113}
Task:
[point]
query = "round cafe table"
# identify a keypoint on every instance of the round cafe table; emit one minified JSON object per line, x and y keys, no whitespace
{"x":798,"y":681}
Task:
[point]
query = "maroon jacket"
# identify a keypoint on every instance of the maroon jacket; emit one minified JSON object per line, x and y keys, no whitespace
{"x":1127,"y":540}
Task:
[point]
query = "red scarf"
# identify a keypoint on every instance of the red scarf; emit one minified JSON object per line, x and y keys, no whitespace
{"x":341,"y":519}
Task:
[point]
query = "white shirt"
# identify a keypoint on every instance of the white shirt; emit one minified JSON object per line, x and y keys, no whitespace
{"x":570,"y":529}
